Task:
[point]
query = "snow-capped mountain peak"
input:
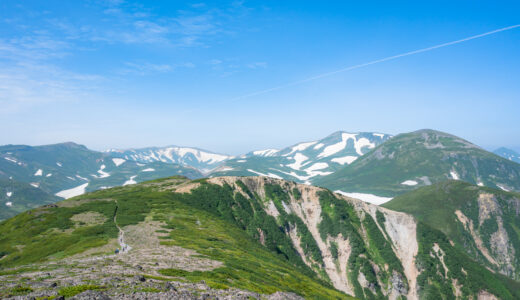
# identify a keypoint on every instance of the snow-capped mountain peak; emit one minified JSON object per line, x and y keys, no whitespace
{"x":193,"y":157}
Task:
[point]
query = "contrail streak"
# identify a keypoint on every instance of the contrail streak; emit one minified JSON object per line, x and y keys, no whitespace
{"x":375,"y":62}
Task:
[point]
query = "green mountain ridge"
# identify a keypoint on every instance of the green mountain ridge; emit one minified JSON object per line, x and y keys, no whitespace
{"x":484,"y":222}
{"x":252,"y":233}
{"x":411,"y":160}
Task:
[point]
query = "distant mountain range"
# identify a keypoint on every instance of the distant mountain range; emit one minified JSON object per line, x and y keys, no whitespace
{"x":508,"y":154}
{"x":421,"y":158}
{"x":306,"y":161}
{"x":202,"y":160}
{"x":291,"y":221}
{"x":371,"y":166}
{"x":66,"y":170}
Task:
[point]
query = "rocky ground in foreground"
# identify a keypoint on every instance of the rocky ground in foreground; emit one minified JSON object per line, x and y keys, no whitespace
{"x":50,"y":285}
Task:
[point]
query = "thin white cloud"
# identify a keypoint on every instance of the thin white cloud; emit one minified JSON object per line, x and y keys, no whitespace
{"x":146,"y":68}
{"x":375,"y":62}
{"x":257,"y":65}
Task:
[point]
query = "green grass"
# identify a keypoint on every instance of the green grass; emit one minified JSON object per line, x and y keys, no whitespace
{"x":71,"y":291}
{"x":247,"y":264}
{"x":18,"y":290}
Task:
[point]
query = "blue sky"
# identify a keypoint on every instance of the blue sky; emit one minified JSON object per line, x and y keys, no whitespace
{"x":132,"y":74}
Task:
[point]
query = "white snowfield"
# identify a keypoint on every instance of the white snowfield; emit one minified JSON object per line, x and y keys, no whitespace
{"x":39,"y":172}
{"x":102,"y":174}
{"x":317,"y":166}
{"x":266,"y":175}
{"x":148,"y":170}
{"x":35,"y":184}
{"x":381,"y":135}
{"x":344,"y":160}
{"x":83,"y":178}
{"x":300,"y":147}
{"x":9,"y":194}
{"x":9,"y":204}
{"x":454,"y":175}
{"x":370,"y":198}
{"x":503,"y":188}
{"x":225,"y":169}
{"x":409,"y":182}
{"x":48,"y":175}
{"x":118,"y":161}
{"x":298,"y":160}
{"x":176,"y":155}
{"x":11,"y":160}
{"x":73,"y":192}
{"x":358,"y":145}
{"x":318,"y":146}
{"x":130,"y":181}
{"x":58,"y":164}
{"x":265,"y":152}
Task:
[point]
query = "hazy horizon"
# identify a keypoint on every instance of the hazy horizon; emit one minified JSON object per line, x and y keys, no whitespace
{"x":281,"y":146}
{"x":232,"y":77}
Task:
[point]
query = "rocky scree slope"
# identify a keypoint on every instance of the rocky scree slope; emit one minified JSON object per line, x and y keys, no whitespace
{"x":304,"y":162}
{"x":481,"y":221}
{"x":257,"y":234}
{"x":411,"y":160}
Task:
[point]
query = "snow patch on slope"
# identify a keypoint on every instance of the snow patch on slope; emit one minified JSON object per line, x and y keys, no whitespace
{"x":266,"y":152}
{"x":118,"y":161}
{"x":300,"y":147}
{"x":358,"y":145}
{"x":298,"y":160}
{"x":370,"y":198}
{"x":344,"y":160}
{"x":130,"y":181}
{"x":454,"y":175}
{"x":102,"y":173}
{"x":73,"y":192}
{"x":503,"y":188}
{"x":266,"y":175}
{"x":409,"y":182}
{"x":38,"y":173}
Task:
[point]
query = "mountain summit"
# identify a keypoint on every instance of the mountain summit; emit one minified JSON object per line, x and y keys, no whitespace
{"x":421,"y":158}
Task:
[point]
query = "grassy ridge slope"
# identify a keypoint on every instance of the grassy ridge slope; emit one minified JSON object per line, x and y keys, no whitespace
{"x":481,"y":221}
